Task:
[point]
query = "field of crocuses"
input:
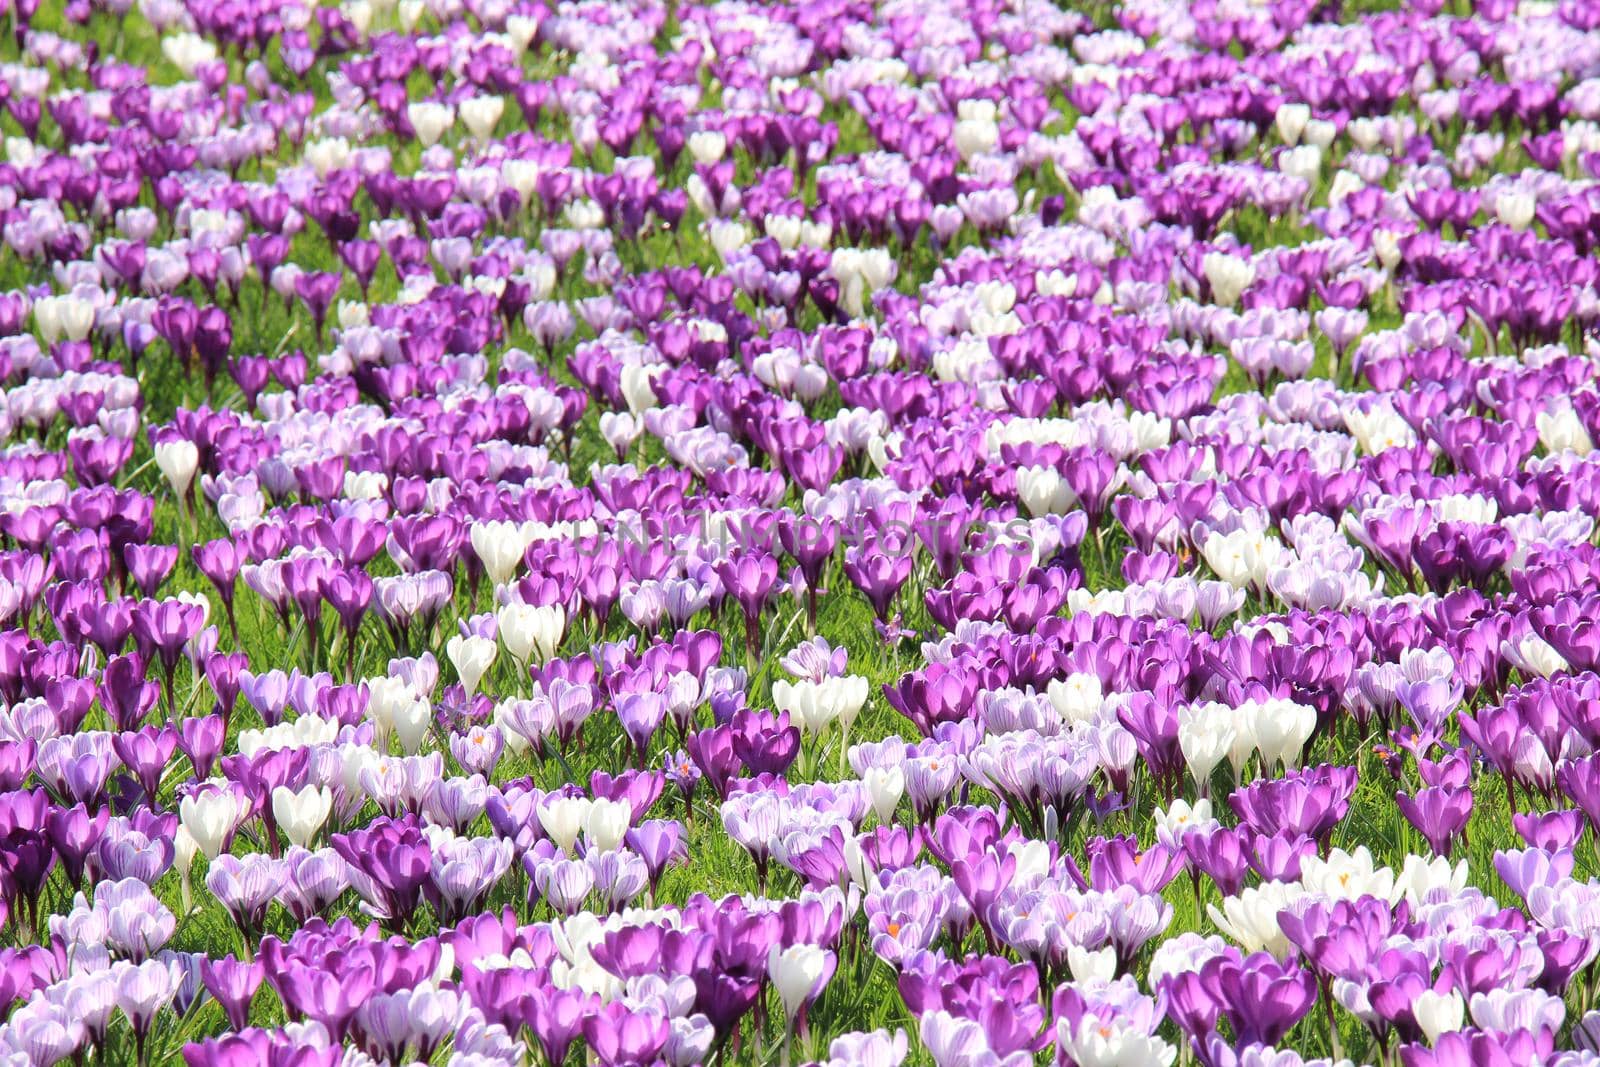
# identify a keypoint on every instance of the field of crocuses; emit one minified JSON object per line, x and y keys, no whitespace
{"x":938,"y":532}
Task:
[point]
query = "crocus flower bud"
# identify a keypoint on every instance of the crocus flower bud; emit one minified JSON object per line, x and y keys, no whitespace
{"x":1228,"y":275}
{"x":885,"y":785}
{"x":798,"y":973}
{"x":210,"y":816}
{"x":301,"y":813}
{"x":707,"y":146}
{"x":472,"y":656}
{"x":479,"y":114}
{"x":178,"y":460}
{"x":499,"y":546}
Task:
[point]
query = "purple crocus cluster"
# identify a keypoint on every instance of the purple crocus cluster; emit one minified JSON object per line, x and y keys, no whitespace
{"x":851,"y":533}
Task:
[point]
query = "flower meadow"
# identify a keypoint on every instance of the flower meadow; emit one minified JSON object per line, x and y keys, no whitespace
{"x":944,"y":532}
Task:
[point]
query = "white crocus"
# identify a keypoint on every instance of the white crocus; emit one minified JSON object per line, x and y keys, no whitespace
{"x":1438,"y":1013}
{"x":563,"y":819}
{"x":300,"y":814}
{"x":411,"y":721}
{"x":1251,"y":918}
{"x":472,"y":657}
{"x":430,"y":120}
{"x":814,"y":705}
{"x":209,"y":815}
{"x":637,"y":389}
{"x":708,"y":146}
{"x":1078,"y":697}
{"x":1101,"y":1043}
{"x":480,"y":114}
{"x":885,"y":786}
{"x":1228,"y":275}
{"x":1347,"y":876}
{"x":178,"y":459}
{"x":1515,"y":208}
{"x":1290,"y":122}
{"x":795,"y":972}
{"x":499,"y":546}
{"x":1561,"y":430}
{"x":1282,"y":729}
{"x":1205,"y":735}
{"x":1043,"y":491}
{"x":606,"y":823}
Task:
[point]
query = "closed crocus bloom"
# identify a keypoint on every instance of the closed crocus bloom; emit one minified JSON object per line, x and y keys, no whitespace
{"x":885,"y":786}
{"x":547,"y":626}
{"x":807,"y":703}
{"x":1086,"y":966}
{"x":620,"y":429}
{"x":785,"y":229}
{"x":707,"y":146}
{"x":521,"y":29}
{"x":1205,"y":737}
{"x":1179,"y":818}
{"x":878,"y":268}
{"x":327,"y":154}
{"x":1562,"y":430}
{"x":233,"y":983}
{"x":1243,"y":744}
{"x":636,"y":386}
{"x":1228,"y":276}
{"x":514,"y":623}
{"x":177,"y":458}
{"x":188,"y":52}
{"x":1076,"y":698}
{"x":143,"y":989}
{"x":411,"y":722}
{"x":210,"y":816}
{"x":1243,"y":558}
{"x":849,"y":695}
{"x":385,"y":696}
{"x":1534,"y":656}
{"x":1304,"y":162}
{"x":1320,"y":133}
{"x":1508,"y":1010}
{"x":499,"y":546}
{"x":359,"y":12}
{"x":1515,"y":208}
{"x":976,"y":135}
{"x":184,"y":849}
{"x":66,"y":317}
{"x":1343,"y":184}
{"x":1251,"y":918}
{"x":1225,"y":555}
{"x":1422,"y":879}
{"x":1438,"y":1013}
{"x":606,"y":823}
{"x":480,"y":114}
{"x":563,"y":819}
{"x":1386,"y":248}
{"x":1043,"y":491}
{"x":245,"y":888}
{"x":798,"y":973}
{"x":472,"y":656}
{"x":563,"y":883}
{"x":1282,"y":729}
{"x":430,"y":120}
{"x":1290,"y":122}
{"x":300,"y":814}
{"x":1378,"y":428}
